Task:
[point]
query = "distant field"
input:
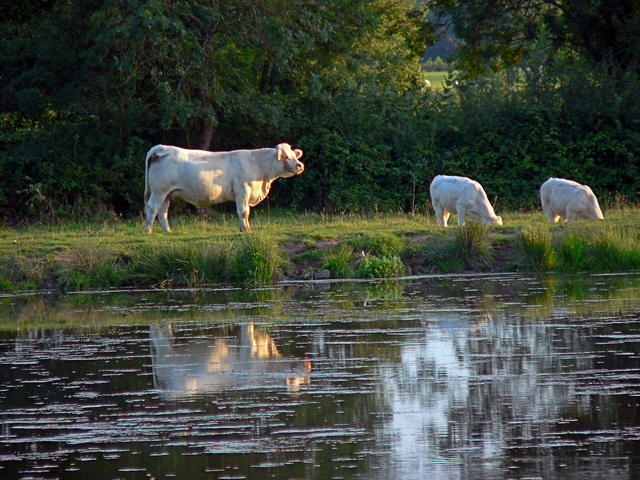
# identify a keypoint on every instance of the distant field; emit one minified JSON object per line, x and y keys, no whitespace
{"x":436,"y":78}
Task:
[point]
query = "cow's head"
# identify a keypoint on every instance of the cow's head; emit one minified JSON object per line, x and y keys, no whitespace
{"x":290,"y":159}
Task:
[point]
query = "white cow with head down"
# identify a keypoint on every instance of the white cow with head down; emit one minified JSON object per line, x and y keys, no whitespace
{"x":461,"y":196}
{"x":568,"y":200}
{"x":205,"y":178}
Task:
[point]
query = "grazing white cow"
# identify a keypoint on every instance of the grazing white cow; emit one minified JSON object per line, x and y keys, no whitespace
{"x":568,"y":200}
{"x":461,"y":196}
{"x":205,"y":178}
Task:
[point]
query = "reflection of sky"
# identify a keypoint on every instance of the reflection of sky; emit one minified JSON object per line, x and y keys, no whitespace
{"x":420,"y":391}
{"x":462,"y":391}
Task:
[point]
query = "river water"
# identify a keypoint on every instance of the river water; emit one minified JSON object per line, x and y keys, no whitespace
{"x":446,"y":377}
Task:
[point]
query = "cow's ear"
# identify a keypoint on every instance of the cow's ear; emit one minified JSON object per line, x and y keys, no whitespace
{"x":298,"y":153}
{"x":279,"y":152}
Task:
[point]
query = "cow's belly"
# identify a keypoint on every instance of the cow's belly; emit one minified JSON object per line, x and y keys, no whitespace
{"x":202,"y":197}
{"x":205,"y":188}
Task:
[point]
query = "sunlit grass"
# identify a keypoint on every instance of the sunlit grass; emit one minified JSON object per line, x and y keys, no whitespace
{"x":210,"y":249}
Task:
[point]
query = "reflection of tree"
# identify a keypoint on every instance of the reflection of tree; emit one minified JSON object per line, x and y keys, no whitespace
{"x":206,"y":365}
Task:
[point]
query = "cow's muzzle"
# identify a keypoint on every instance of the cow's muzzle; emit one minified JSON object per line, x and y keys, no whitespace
{"x":298,"y":168}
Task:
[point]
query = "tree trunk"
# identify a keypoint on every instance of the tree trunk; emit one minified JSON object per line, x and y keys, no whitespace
{"x":206,"y":135}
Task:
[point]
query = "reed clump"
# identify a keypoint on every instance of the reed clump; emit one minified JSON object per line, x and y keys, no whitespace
{"x":187,"y":264}
{"x":256,"y":261}
{"x":533,"y":249}
{"x":467,"y":247}
{"x":339,"y":261}
{"x":598,"y":249}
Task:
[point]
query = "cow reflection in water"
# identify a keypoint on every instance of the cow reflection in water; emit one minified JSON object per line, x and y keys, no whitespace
{"x":207,"y":365}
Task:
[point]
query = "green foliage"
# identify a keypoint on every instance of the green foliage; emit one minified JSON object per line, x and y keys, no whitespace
{"x":508,"y":32}
{"x":87,"y":88}
{"x":388,"y":245}
{"x":598,"y":249}
{"x":380,"y":266}
{"x":435,"y":65}
{"x":572,"y":253}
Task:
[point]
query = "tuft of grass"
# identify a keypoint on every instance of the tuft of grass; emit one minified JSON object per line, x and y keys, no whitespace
{"x":339,"y":261}
{"x":572,"y":251}
{"x":257,"y":261}
{"x":18,"y":272}
{"x":460,"y":248}
{"x":534,"y":249}
{"x":599,"y":248}
{"x":472,"y":245}
{"x":187,"y":264}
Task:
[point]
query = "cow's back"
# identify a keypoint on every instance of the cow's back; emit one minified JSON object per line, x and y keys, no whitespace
{"x":450,"y":191}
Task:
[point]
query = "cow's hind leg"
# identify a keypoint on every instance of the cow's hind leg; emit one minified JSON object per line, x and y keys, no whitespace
{"x":151,"y":209}
{"x":163,"y":216}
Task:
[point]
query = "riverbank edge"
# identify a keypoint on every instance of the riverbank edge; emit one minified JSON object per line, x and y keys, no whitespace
{"x":260,"y":259}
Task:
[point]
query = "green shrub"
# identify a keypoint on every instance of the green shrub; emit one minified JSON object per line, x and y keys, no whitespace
{"x":378,"y":245}
{"x":380,"y":266}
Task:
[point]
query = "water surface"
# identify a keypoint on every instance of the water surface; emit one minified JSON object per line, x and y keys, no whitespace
{"x":467,"y":377}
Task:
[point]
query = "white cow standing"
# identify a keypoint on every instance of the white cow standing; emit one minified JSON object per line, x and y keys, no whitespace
{"x":205,"y":178}
{"x":568,"y":200}
{"x":461,"y":196}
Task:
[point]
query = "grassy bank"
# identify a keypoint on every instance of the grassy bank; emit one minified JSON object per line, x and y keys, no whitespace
{"x":75,"y":256}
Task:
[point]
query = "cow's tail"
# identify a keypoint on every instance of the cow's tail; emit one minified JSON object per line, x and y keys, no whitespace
{"x":152,"y":155}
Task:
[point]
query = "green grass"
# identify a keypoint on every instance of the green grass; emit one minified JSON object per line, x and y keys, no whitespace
{"x":534,"y":249}
{"x":73,"y":256}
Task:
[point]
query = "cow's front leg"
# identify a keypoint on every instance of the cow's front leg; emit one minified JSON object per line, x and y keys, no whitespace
{"x":440,"y":215}
{"x":242,"y":207}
